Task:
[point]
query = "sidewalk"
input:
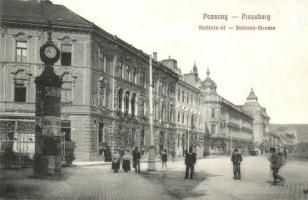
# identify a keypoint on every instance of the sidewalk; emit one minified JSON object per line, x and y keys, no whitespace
{"x":93,"y":163}
{"x":213,"y":181}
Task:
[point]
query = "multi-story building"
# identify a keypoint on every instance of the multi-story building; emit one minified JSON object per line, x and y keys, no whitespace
{"x":105,"y":81}
{"x":228,"y":126}
{"x":221,"y":125}
{"x":189,"y":116}
{"x":261,"y":119}
{"x":105,"y":91}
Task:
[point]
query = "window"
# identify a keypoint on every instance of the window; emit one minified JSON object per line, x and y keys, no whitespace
{"x":213,"y":113}
{"x":192,"y":121}
{"x":162,"y":112}
{"x":187,"y":120}
{"x":66,"y":54}
{"x":142,"y":108}
{"x":100,"y":132}
{"x":120,"y":70}
{"x":66,"y":92}
{"x":133,"y":136}
{"x":102,"y":61}
{"x":21,"y":51}
{"x":20,"y":92}
{"x":142,"y":137}
{"x":187,"y":98}
{"x":133,"y":101}
{"x":183,"y":96}
{"x":126,"y":102}
{"x":183,"y":118}
{"x":213,"y":129}
{"x":179,"y":116}
{"x":66,"y":129}
{"x":179,"y":94}
{"x":154,"y":83}
{"x":120,"y":99}
{"x":134,"y":75}
{"x":127,"y":73}
{"x":142,"y":79}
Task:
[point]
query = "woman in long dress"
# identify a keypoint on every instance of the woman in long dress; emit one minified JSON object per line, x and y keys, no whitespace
{"x":126,"y":161}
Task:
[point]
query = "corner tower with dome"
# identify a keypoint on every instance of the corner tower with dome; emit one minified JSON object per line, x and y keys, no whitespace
{"x":261,"y":119}
{"x":224,"y":124}
{"x":228,"y":126}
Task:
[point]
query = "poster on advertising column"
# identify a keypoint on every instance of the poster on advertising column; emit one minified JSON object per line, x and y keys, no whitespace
{"x":51,"y":126}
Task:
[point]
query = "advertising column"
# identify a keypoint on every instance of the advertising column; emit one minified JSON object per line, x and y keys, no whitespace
{"x":47,"y":159}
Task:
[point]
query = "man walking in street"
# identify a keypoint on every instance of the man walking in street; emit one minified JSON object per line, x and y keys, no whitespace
{"x":115,"y":161}
{"x":136,"y":160}
{"x":276,"y":164}
{"x":190,"y":161}
{"x":164,"y":158}
{"x":236,"y":159}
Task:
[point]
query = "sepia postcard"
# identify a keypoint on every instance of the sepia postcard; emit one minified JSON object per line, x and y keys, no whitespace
{"x":137,"y":99}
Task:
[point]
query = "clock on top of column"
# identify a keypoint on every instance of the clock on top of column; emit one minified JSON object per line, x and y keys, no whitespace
{"x":49,"y":52}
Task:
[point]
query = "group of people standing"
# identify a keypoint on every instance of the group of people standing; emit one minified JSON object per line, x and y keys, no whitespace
{"x":125,"y":157}
{"x":277,"y":160}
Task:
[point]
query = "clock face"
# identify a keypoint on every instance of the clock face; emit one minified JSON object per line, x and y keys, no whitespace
{"x":50,"y":52}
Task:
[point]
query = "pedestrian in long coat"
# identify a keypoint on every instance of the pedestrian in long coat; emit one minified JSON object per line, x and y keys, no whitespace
{"x":126,"y":161}
{"x":115,"y":161}
{"x":136,"y":160}
{"x":236,"y":159}
{"x":190,"y":161}
{"x":164,"y":158}
{"x":276,"y":164}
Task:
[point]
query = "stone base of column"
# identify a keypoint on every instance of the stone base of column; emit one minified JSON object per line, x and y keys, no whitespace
{"x":47,"y":167}
{"x":152,"y":159}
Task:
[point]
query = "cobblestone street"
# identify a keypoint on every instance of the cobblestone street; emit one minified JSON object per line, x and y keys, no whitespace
{"x":213,"y":181}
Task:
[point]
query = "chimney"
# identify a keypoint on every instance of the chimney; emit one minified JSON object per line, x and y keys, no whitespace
{"x":155,"y":56}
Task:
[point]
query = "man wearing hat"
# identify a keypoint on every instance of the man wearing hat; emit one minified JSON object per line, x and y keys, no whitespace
{"x":276,"y":164}
{"x":236,"y":159}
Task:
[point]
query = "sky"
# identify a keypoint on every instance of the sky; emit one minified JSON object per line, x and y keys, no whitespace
{"x":273,"y":63}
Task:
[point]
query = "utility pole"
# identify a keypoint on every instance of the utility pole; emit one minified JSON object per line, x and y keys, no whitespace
{"x":152,"y":156}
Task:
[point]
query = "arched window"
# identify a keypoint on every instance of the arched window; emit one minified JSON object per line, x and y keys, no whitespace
{"x":133,"y":102}
{"x":126,"y":102}
{"x":162,"y":112}
{"x":120,"y":99}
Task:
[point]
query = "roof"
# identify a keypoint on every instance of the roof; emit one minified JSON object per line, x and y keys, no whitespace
{"x":40,"y":13}
{"x":252,"y":95}
{"x":208,"y":82}
{"x":301,"y":129}
{"x":235,"y":107}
